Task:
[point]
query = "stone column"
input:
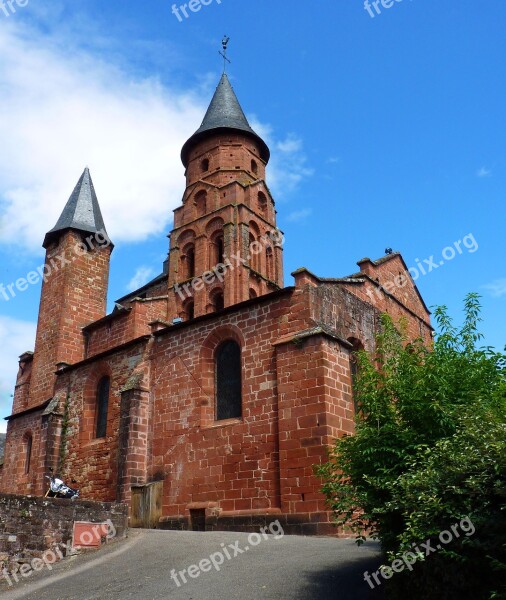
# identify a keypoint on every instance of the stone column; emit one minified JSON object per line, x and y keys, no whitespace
{"x":133,"y":441}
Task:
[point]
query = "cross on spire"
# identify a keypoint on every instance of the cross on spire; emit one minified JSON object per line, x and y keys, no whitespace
{"x":224,"y":43}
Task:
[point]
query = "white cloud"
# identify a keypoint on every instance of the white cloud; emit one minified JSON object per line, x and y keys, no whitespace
{"x":141,"y":277}
{"x":497,"y":288}
{"x":16,"y":337}
{"x":63,"y":110}
{"x":484,"y":172}
{"x":298,"y":215}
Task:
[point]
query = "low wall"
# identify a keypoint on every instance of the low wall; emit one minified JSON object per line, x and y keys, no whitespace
{"x":30,"y":526}
{"x":292,"y":524}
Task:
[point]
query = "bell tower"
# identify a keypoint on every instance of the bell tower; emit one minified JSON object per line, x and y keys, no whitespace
{"x":225,"y":247}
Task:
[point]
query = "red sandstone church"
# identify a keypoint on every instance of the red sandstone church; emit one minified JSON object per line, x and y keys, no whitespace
{"x":205,"y":398}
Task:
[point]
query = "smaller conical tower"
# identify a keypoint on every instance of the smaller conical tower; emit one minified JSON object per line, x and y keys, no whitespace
{"x":224,"y":247}
{"x":74,"y":288}
{"x":81,"y":213}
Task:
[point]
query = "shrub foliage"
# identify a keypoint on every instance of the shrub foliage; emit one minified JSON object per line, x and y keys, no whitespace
{"x":429,"y":450}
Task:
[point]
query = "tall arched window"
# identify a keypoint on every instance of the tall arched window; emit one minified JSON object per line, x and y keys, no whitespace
{"x":254,"y":166}
{"x":189,"y":257}
{"x":217,"y":253}
{"x":254,"y":248}
{"x":204,"y":165}
{"x":102,"y":406}
{"x":220,"y":249}
{"x":270,"y":263}
{"x":228,"y":381}
{"x":28,"y":451}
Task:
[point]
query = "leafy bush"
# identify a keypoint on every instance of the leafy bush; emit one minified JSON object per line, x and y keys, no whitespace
{"x":429,"y":450}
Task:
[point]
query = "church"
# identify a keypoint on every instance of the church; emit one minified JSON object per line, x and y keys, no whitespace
{"x":205,"y":398}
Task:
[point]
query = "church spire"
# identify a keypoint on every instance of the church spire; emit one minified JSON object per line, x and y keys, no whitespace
{"x":224,"y":114}
{"x":81,"y":213}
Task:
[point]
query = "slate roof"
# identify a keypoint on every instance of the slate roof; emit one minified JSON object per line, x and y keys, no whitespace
{"x":82,"y":211}
{"x":224,"y":113}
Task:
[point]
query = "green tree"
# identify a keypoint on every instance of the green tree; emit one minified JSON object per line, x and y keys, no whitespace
{"x":429,"y":450}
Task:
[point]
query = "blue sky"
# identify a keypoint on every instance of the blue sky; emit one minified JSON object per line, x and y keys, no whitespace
{"x":385,"y":132}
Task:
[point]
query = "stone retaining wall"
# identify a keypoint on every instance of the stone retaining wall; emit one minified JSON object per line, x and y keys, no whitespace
{"x":31,"y":526}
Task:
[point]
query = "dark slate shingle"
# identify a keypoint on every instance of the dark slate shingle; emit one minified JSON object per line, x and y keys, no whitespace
{"x":223,"y":113}
{"x":82,"y":211}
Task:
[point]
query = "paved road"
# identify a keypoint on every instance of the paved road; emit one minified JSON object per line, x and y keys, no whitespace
{"x":288,"y":568}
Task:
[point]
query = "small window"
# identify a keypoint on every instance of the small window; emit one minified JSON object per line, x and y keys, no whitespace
{"x":254,"y":248}
{"x":216,"y":248}
{"x":270,"y":263}
{"x":252,"y":294}
{"x":219,"y":250}
{"x":102,"y":406}
{"x":204,"y":165}
{"x":218,"y":301}
{"x":254,"y":166}
{"x":189,"y":310}
{"x":228,"y":381}
{"x":28,"y":452}
{"x":262,"y":203}
{"x":190,"y":262}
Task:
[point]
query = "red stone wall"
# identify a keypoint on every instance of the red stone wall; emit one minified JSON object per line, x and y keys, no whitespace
{"x":297,"y":399}
{"x":228,"y":154}
{"x":233,"y":464}
{"x":22,"y":389}
{"x":94,"y":462}
{"x":232,"y":200}
{"x":74,"y":295}
{"x":124,"y":326}
{"x":14,"y":478}
{"x":315,"y":407}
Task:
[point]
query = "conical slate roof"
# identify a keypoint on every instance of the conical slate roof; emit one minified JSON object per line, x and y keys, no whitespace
{"x":224,"y":113}
{"x":82,"y":211}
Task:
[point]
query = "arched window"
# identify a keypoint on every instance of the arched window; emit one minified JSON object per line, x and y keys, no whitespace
{"x":220,"y":249}
{"x":262,"y":203}
{"x":217,"y":254}
{"x":270,"y":263}
{"x":204,"y":165}
{"x":218,"y":301}
{"x":189,"y":257}
{"x":256,"y":248}
{"x":253,"y":253}
{"x":201,"y":203}
{"x":189,"y":310}
{"x":228,"y":381}
{"x":102,"y":407}
{"x":252,"y":294}
{"x":28,"y":452}
{"x":254,"y":166}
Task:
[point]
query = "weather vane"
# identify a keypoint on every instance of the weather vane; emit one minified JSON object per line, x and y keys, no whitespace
{"x":224,"y":43}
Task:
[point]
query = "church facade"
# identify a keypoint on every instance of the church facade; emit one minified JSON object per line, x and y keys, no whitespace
{"x":214,"y":384}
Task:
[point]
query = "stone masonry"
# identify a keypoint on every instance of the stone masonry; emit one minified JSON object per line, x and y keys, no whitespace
{"x":158,"y":354}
